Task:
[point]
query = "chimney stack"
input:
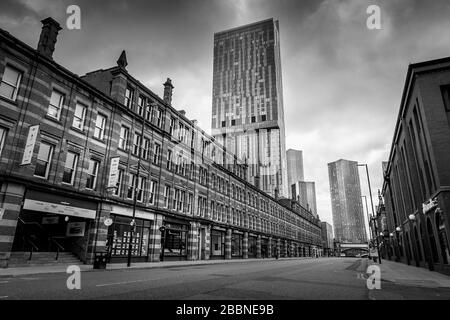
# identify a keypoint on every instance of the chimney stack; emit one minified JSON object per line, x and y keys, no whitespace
{"x":47,"y":40}
{"x":168,"y":87}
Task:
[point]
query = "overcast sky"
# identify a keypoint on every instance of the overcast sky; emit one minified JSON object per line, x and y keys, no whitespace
{"x":342,"y":82}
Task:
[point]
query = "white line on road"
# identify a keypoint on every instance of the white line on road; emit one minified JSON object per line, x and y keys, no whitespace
{"x":3,"y":282}
{"x":3,"y":297}
{"x":118,"y":283}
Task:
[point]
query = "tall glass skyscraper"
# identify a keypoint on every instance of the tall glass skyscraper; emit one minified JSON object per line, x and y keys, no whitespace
{"x":247,"y":107}
{"x":295,"y":172}
{"x":347,"y":209}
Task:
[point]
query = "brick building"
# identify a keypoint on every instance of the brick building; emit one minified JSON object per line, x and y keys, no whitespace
{"x":79,"y":154}
{"x":416,"y":188}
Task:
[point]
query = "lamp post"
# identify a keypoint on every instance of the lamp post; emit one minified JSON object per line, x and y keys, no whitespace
{"x":373,"y":215}
{"x":368,"y":218}
{"x":135,"y":189}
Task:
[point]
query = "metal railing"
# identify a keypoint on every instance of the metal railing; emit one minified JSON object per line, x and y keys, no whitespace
{"x":33,"y":246}
{"x":59,"y":247}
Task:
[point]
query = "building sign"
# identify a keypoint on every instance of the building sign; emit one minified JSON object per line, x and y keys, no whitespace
{"x":29,"y":146}
{"x":75,"y":229}
{"x":125,"y":211}
{"x":429,"y":205}
{"x":58,"y":204}
{"x":49,"y":207}
{"x":50,"y":220}
{"x":113,"y":172}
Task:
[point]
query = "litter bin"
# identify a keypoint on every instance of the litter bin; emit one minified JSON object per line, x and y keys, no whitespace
{"x":100,"y":260}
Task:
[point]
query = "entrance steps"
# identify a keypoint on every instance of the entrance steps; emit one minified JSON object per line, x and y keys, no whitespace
{"x":20,"y":259}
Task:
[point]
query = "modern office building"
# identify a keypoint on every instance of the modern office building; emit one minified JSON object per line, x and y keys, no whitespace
{"x":305,"y":193}
{"x":294,"y":159}
{"x":247,"y":106}
{"x":346,"y":203}
{"x":327,"y":238}
{"x":79,"y":155}
{"x":417,"y":176}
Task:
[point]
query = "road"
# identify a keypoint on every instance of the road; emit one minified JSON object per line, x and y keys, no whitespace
{"x":323,"y":279}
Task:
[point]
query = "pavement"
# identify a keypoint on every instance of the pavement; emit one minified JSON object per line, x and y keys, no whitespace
{"x":14,"y":272}
{"x":403,"y":274}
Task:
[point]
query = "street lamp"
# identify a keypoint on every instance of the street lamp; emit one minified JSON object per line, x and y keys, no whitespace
{"x":373,"y":214}
{"x":412,"y":217}
{"x":368,"y":218}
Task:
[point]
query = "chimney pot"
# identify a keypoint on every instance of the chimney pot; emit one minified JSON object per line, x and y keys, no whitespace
{"x":168,"y":88}
{"x":47,"y":39}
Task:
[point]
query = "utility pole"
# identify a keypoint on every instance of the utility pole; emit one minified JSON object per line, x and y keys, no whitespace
{"x":373,"y":214}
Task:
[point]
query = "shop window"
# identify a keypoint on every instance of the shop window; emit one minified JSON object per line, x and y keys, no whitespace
{"x":43,"y":160}
{"x":70,"y":167}
{"x":236,"y":245}
{"x":119,"y":236}
{"x":217,"y":243}
{"x":56,"y":104}
{"x":9,"y":85}
{"x":175,"y":240}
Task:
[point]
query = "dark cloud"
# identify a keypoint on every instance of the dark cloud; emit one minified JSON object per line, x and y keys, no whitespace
{"x":342,"y":82}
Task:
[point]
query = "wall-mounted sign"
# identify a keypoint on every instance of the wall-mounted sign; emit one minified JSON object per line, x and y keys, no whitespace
{"x":108,"y":222}
{"x":29,"y":145}
{"x":50,"y":220}
{"x":113,"y":172}
{"x":429,"y":205}
{"x":42,"y":206}
{"x":75,"y":229}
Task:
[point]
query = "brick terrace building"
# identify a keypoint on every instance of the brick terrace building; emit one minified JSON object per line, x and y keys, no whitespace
{"x":74,"y":163}
{"x":416,"y":189}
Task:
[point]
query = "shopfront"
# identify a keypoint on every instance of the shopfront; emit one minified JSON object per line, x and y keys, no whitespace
{"x":174,"y":239}
{"x":236,"y":245}
{"x":282,"y":249}
{"x":251,"y":246}
{"x":264,"y":247}
{"x":120,"y":235}
{"x":51,"y":223}
{"x":217,"y":243}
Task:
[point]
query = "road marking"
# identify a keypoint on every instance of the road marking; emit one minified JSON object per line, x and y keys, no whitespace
{"x":3,"y":297}
{"x":118,"y":283}
{"x":1,"y":282}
